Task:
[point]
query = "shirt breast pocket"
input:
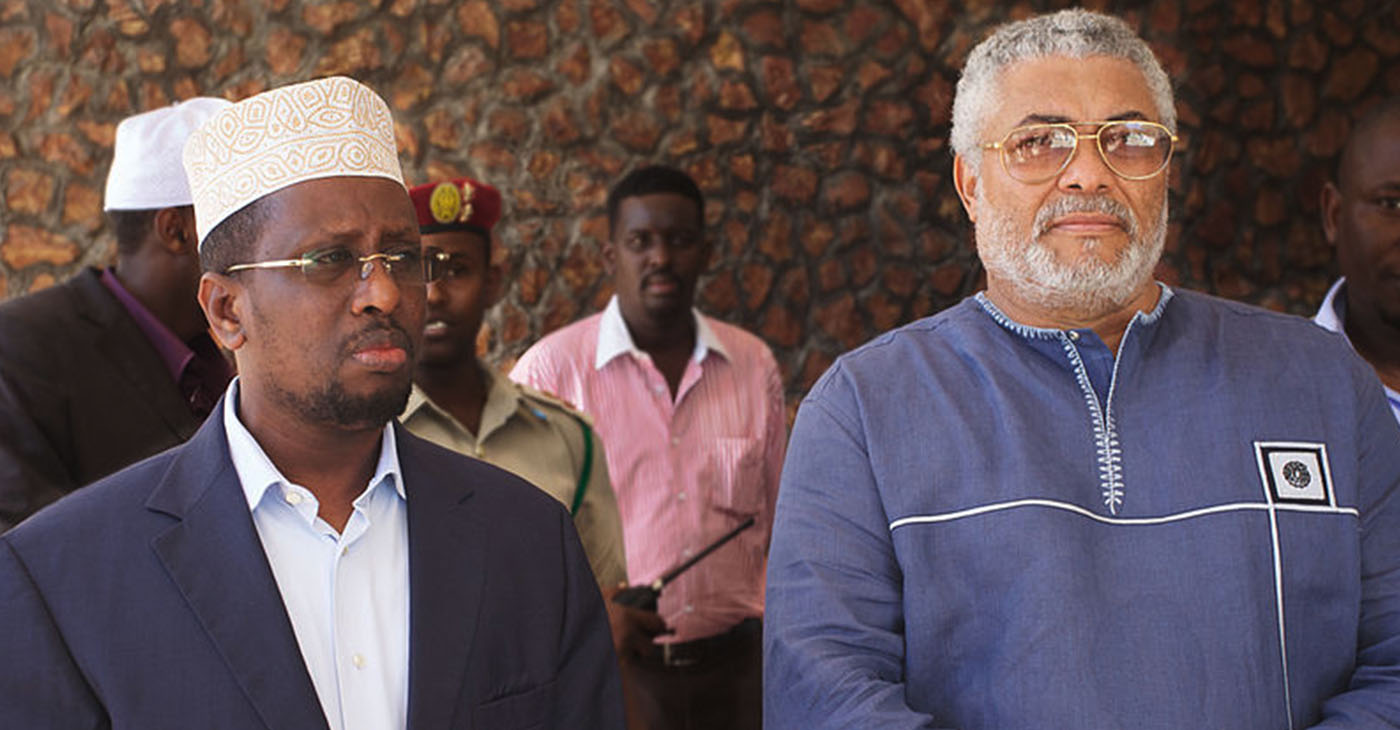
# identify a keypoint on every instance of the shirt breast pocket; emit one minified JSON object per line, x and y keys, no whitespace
{"x":528,"y":710}
{"x":733,"y":469}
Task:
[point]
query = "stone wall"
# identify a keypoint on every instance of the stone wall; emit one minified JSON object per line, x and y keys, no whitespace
{"x":816,"y":127}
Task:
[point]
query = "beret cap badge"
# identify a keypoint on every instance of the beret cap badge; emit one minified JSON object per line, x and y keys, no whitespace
{"x":445,"y":203}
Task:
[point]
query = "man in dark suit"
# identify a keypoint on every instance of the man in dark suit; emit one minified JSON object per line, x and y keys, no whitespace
{"x":298,"y":564}
{"x":113,"y":365}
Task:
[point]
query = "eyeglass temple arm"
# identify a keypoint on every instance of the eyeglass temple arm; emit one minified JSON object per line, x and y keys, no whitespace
{"x":278,"y":264}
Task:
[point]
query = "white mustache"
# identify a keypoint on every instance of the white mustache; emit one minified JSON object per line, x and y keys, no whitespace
{"x":1063,"y":206}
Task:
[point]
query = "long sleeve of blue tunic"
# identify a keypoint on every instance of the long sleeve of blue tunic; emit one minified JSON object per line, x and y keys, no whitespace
{"x":986,"y":525}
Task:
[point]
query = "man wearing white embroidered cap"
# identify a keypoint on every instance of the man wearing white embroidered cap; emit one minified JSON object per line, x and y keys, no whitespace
{"x":299,"y":563}
{"x":116,"y":364}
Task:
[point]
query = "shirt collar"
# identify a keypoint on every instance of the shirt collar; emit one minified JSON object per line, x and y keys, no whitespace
{"x":1042,"y":333}
{"x":614,"y":339}
{"x":257,"y":473}
{"x":1333,"y":311}
{"x":173,"y":352}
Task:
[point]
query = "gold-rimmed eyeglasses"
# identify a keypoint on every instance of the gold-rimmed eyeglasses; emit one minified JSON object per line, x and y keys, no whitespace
{"x":1132,"y":149}
{"x":446,"y":265}
{"x":408,"y":266}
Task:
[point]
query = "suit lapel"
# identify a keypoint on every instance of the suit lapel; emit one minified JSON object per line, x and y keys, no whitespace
{"x":447,"y":559}
{"x":130,"y":355}
{"x":214,"y":556}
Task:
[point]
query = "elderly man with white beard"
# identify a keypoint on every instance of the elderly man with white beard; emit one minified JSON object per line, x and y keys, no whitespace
{"x":1080,"y":498}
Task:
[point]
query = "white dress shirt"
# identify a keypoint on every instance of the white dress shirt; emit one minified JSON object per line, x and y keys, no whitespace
{"x":1331,"y":315}
{"x":347,"y":594}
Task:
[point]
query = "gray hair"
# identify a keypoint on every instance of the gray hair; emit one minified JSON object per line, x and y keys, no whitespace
{"x":1073,"y":33}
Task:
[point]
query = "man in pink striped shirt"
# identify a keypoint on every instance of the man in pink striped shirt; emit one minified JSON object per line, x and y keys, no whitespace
{"x":691,"y":412}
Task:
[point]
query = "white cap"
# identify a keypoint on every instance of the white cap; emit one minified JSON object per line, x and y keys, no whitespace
{"x":329,"y":127}
{"x":146,"y":172}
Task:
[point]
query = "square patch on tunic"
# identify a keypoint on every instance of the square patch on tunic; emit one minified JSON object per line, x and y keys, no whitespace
{"x":1295,"y":472}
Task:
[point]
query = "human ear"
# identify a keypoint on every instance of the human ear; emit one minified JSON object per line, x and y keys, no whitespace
{"x":1331,"y":211}
{"x":175,"y":229}
{"x":965,"y":182}
{"x":221,"y":297}
{"x":609,"y":257}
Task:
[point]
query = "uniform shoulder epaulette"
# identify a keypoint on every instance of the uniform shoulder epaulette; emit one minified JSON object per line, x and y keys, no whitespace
{"x":553,"y":401}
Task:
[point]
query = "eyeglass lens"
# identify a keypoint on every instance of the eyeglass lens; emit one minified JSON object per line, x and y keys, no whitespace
{"x":1130,"y":149}
{"x":408,"y":266}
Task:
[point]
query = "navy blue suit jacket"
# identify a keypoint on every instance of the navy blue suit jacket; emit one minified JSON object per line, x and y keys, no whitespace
{"x":145,"y":601}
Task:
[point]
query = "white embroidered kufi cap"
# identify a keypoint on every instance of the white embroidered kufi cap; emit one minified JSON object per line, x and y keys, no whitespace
{"x":324,"y":128}
{"x":146,"y":172}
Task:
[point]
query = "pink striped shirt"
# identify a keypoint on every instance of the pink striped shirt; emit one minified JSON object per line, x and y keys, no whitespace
{"x":685,"y":472}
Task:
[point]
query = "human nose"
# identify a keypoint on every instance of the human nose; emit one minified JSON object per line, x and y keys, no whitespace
{"x":376,"y":289}
{"x":435,"y":294}
{"x":660,"y":253}
{"x":1086,"y":170}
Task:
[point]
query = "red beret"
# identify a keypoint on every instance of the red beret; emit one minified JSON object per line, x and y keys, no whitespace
{"x":456,"y":205}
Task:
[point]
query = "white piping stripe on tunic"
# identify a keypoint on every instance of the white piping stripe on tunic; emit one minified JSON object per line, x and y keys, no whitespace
{"x":1278,"y":576}
{"x":1278,"y":598}
{"x":1271,"y":508}
{"x":1121,"y":521}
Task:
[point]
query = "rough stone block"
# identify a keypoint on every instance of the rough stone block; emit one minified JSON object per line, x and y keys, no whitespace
{"x":527,"y":40}
{"x":414,"y":86}
{"x":726,"y":53}
{"x":794,"y":183}
{"x":192,"y":41}
{"x":824,"y":81}
{"x":637,"y":130}
{"x":28,"y":191}
{"x":82,"y":206}
{"x":735,"y":95}
{"x":846,"y":190}
{"x":351,"y":55}
{"x":720,"y":293}
{"x":764,"y":28}
{"x":781,"y":327}
{"x":526,"y":86}
{"x":1350,"y":75}
{"x":543,"y":164}
{"x":25,"y":246}
{"x":821,"y":39}
{"x":477,"y":20}
{"x":780,"y":82}
{"x":871,"y":74}
{"x":839,"y":121}
{"x":889,"y":117}
{"x":609,"y":26}
{"x":775,"y":241}
{"x":862,"y":22}
{"x":559,"y":124}
{"x":723,"y":130}
{"x":755,"y":281}
{"x":1307,"y":52}
{"x":689,"y":22}
{"x":510,"y":125}
{"x":443,"y":130}
{"x":742,"y":167}
{"x":626,"y":76}
{"x":661,"y":55}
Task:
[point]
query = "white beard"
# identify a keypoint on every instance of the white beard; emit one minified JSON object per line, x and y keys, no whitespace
{"x":1088,"y":286}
